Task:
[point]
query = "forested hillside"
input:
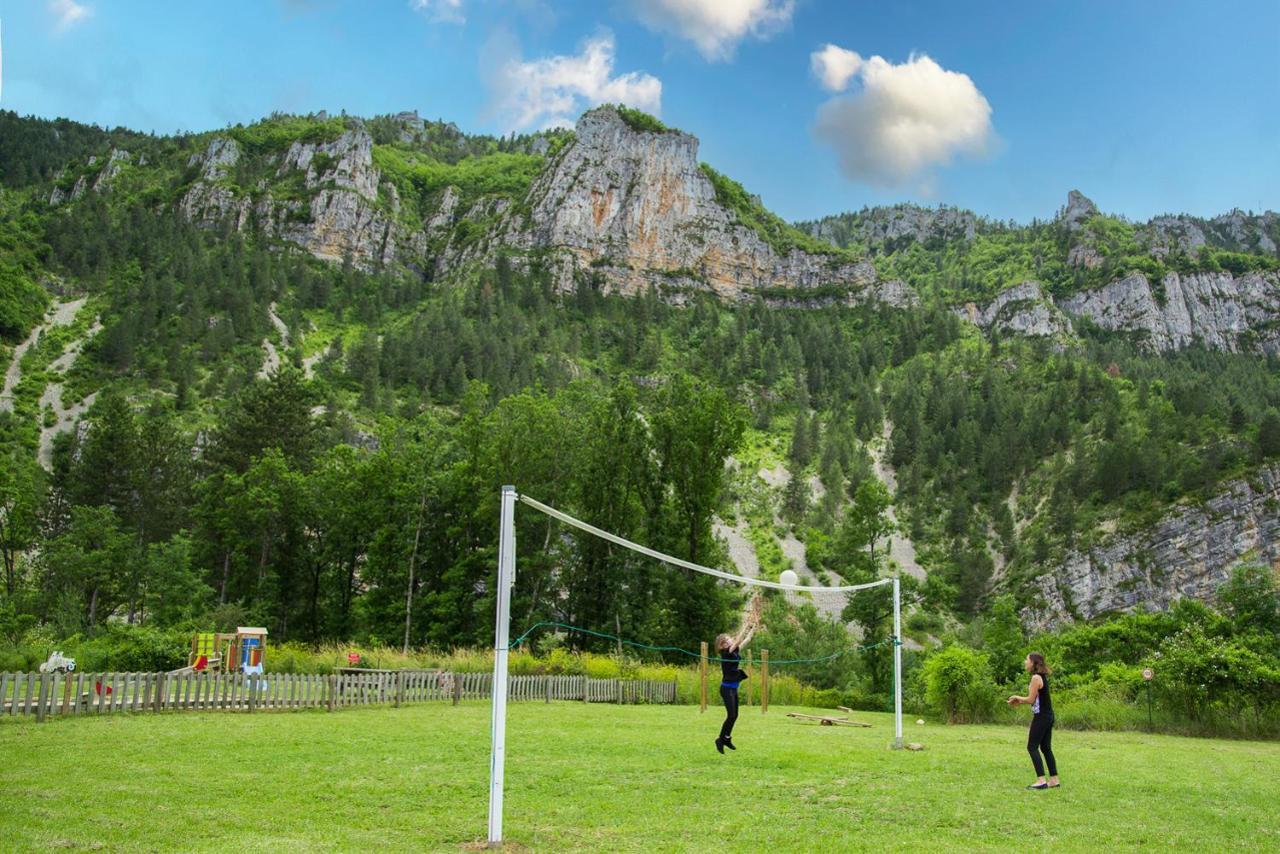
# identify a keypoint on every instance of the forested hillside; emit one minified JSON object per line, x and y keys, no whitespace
{"x":278,"y":374}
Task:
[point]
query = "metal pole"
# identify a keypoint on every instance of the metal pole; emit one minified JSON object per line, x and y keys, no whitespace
{"x":897,"y":665}
{"x":1150,"y":726}
{"x":506,"y":577}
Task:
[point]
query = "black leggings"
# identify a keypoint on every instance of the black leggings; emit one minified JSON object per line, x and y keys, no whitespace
{"x":730,"y":697}
{"x":1040,"y":740}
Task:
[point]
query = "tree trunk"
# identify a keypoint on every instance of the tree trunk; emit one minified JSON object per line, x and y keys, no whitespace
{"x":93,"y":605}
{"x":226,"y":574}
{"x":413,"y":559}
{"x":262,"y":557}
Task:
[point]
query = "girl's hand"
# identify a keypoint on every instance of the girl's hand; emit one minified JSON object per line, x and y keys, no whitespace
{"x":1013,"y":700}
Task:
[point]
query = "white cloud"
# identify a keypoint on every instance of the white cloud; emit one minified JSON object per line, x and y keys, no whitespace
{"x":716,"y":26}
{"x":905,"y":119}
{"x":67,"y":13}
{"x":551,"y":92}
{"x":834,"y":66}
{"x":444,"y":11}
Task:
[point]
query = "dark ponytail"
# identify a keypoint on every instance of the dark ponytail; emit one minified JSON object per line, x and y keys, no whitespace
{"x":1038,"y":665}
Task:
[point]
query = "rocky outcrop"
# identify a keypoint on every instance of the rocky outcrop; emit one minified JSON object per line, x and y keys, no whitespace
{"x":99,"y":182}
{"x":1022,"y":310}
{"x":341,"y":216}
{"x":1219,"y":310}
{"x":1236,"y":231}
{"x":1079,"y":210}
{"x":894,"y":225}
{"x":635,"y":207}
{"x":115,"y":162}
{"x":1188,"y":554}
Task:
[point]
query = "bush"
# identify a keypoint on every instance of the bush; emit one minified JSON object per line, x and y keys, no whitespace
{"x":959,"y":685}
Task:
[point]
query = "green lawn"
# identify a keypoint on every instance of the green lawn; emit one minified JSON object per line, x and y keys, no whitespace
{"x":610,"y":778}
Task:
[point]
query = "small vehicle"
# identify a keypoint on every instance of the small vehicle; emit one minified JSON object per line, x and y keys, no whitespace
{"x":58,"y":663}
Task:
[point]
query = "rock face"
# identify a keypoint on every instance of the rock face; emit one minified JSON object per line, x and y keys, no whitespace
{"x":895,"y":223}
{"x":343,"y":217}
{"x":1186,"y":555}
{"x":101,"y":182}
{"x":1022,"y":310}
{"x":636,"y":206}
{"x":1079,"y":209}
{"x":1219,"y":310}
{"x":1236,"y":231}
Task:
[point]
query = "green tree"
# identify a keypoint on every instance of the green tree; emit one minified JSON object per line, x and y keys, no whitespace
{"x":1004,"y":640}
{"x":20,"y":494}
{"x":958,"y":684}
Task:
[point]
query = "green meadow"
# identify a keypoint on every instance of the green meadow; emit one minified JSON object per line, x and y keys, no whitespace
{"x":614,"y":778}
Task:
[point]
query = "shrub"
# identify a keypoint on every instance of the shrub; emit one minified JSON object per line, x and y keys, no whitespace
{"x":639,"y":120}
{"x":959,"y":685}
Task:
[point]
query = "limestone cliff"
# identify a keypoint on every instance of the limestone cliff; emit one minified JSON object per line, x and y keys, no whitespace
{"x":636,"y":207}
{"x":1187,"y":554}
{"x":1219,"y":310}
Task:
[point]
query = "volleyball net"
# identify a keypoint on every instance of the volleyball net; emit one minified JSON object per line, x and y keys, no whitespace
{"x":503,"y":645}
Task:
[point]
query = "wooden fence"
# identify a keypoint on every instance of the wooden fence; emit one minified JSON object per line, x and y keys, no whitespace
{"x":47,"y":694}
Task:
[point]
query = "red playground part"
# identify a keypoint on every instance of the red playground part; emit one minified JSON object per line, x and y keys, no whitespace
{"x":97,"y":686}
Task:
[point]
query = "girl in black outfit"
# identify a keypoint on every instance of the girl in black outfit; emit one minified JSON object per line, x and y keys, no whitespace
{"x":728,"y":650}
{"x":1040,"y":739}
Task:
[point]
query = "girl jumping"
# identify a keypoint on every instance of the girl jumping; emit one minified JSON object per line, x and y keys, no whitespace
{"x":728,"y":649}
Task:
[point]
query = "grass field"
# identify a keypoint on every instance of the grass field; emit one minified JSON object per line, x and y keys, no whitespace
{"x":613,"y":778}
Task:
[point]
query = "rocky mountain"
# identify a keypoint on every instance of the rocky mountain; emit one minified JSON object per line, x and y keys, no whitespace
{"x":1189,"y":553}
{"x":1006,"y":459}
{"x":1220,"y":311}
{"x":624,"y":204}
{"x":629,"y":207}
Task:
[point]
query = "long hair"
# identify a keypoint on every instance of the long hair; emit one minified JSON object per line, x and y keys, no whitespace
{"x":1038,"y":665}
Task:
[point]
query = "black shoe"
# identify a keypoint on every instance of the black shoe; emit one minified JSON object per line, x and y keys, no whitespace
{"x":1036,"y":786}
{"x":728,"y":742}
{"x":720,"y":744}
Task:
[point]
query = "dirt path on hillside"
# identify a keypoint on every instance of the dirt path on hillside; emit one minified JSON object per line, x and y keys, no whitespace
{"x":60,"y":314}
{"x":901,"y":549}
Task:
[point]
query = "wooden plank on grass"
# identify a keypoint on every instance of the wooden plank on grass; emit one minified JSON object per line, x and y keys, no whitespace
{"x":827,"y":720}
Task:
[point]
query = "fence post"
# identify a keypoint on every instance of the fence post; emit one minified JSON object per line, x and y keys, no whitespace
{"x":546,"y":681}
{"x":333,"y":690}
{"x":702,"y":667}
{"x":764,"y":681}
{"x":253,"y":693}
{"x":749,"y":664}
{"x":158,"y":701}
{"x":66,"y":693}
{"x":457,"y":689}
{"x":44,"y":691}
{"x":399,"y":687}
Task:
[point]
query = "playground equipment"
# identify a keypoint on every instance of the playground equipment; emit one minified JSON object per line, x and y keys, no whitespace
{"x":241,"y":651}
{"x":58,"y":663}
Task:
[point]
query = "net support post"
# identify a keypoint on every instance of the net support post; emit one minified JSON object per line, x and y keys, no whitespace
{"x":501,"y":637}
{"x":897,"y":664}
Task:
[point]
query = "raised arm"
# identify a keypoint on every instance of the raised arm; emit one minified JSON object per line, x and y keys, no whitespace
{"x":749,"y":626}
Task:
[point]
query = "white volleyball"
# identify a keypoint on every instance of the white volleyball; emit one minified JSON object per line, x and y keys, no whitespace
{"x":789,"y":576}
{"x":920,"y":721}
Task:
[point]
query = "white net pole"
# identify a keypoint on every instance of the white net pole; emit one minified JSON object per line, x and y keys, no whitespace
{"x":501,"y":636}
{"x":897,"y":663}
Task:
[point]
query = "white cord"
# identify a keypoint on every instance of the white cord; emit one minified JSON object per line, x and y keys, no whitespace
{"x":675,"y":561}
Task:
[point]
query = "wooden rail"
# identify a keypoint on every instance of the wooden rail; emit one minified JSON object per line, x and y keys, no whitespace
{"x":52,"y":694}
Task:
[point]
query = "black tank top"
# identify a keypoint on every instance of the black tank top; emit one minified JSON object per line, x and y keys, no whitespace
{"x":1044,"y":703}
{"x":729,"y":666}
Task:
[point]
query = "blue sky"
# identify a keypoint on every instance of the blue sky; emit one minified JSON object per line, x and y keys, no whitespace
{"x":999,"y":107}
